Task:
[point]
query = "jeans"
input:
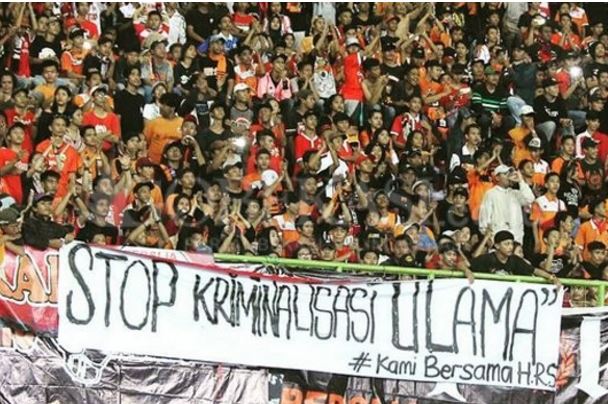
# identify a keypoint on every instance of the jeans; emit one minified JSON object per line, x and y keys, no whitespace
{"x":515,"y":103}
{"x":547,"y":129}
{"x":578,"y":119}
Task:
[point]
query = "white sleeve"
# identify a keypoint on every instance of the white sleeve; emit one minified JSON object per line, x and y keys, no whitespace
{"x":525,"y":196}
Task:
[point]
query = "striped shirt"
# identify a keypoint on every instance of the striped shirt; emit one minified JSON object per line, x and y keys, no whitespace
{"x":491,"y":102}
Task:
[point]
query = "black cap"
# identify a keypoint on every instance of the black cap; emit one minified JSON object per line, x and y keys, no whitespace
{"x":589,"y":142}
{"x":418,"y":53}
{"x":503,"y":235}
{"x":550,"y":82}
{"x":43,"y":197}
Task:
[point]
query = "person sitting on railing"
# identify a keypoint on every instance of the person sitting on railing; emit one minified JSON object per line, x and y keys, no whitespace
{"x":502,"y":260}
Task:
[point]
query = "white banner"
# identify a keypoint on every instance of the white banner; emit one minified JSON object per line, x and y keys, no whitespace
{"x":496,"y":333}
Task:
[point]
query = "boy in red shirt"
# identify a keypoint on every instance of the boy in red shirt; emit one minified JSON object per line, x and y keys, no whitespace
{"x":13,"y":162}
{"x":106,"y":122}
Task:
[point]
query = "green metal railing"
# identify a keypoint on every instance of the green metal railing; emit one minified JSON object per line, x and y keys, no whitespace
{"x":393,"y":270}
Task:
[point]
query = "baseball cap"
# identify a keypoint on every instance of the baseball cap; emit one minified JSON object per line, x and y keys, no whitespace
{"x":418,"y":53}
{"x":527,"y":110}
{"x":534,"y":143}
{"x":595,"y":96}
{"x":76,"y":31}
{"x":352,"y":41}
{"x":42,"y":197}
{"x":550,"y":82}
{"x":8,"y":216}
{"x":101,"y":87}
{"x":421,"y":182}
{"x":340,"y":224}
{"x":489,"y":70}
{"x":240,"y":87}
{"x":589,"y":142}
{"x":502,"y":169}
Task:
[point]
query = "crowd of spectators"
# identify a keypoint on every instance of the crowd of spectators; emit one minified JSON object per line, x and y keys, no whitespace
{"x":465,"y":136}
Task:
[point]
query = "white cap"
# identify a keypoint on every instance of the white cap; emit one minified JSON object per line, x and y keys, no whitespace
{"x":240,"y":87}
{"x":527,"y":110}
{"x":269,"y":177}
{"x":502,"y":169}
{"x":352,"y":41}
{"x":535,"y":143}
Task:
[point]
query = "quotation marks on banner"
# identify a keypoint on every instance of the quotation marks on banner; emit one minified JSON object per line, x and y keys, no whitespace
{"x":361,"y":361}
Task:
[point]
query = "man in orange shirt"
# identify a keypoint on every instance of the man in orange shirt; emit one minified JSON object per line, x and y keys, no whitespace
{"x":286,"y":222}
{"x":60,"y":156}
{"x":595,"y":229}
{"x":164,"y":129}
{"x":72,"y":59}
{"x":253,"y":180}
{"x":519,"y":134}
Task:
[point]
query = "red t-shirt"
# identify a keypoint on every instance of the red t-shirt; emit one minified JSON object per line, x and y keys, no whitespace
{"x":11,"y":183}
{"x":28,"y":120}
{"x":276,"y":161}
{"x":353,"y":77}
{"x":303,"y":144}
{"x":602,"y":138}
{"x":110,"y":123}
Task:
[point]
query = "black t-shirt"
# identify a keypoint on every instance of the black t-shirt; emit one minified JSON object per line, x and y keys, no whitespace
{"x":129,"y":107}
{"x":41,"y":45}
{"x":202,"y":24}
{"x":200,"y":104}
{"x":207,"y":136}
{"x":490,"y":263}
{"x":525,"y":20}
{"x":183,"y":74}
{"x":596,"y":272}
{"x":594,"y":177}
{"x":292,"y":120}
{"x":455,"y":221}
{"x":300,"y":15}
{"x":209,"y":68}
{"x":549,"y":111}
{"x":594,"y":68}
{"x":571,"y":195}
{"x":396,"y":71}
{"x":560,"y":266}
{"x":91,"y":229}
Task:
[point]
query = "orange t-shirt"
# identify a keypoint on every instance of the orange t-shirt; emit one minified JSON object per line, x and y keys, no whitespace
{"x":72,"y":61}
{"x":591,"y":231}
{"x":65,"y":160}
{"x":159,"y":132}
{"x":521,"y":152}
{"x":287,"y":225}
{"x":558,"y":164}
{"x":477,"y":189}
